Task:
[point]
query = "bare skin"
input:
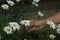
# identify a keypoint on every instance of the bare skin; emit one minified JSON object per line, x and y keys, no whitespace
{"x":40,"y":24}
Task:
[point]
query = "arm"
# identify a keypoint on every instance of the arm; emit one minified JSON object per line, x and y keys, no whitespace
{"x":42,"y":23}
{"x":55,"y":18}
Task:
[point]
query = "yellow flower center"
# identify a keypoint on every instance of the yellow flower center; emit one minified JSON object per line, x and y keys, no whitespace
{"x":51,"y":25}
{"x":5,"y":6}
{"x":10,"y":3}
{"x":25,"y":22}
{"x":14,"y":25}
{"x":58,"y":30}
{"x":8,"y":29}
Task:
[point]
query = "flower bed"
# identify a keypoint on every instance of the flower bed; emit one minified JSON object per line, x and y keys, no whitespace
{"x":15,"y":19}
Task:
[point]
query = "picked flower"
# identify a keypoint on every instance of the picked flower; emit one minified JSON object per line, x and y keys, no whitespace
{"x":52,"y":36}
{"x":8,"y":30}
{"x":58,"y":31}
{"x":25,"y":22}
{"x":51,"y":24}
{"x":18,"y":0}
{"x":40,"y":13}
{"x":11,"y":3}
{"x":14,"y":25}
{"x":5,"y":6}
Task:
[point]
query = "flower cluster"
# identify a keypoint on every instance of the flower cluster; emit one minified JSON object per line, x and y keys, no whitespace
{"x":12,"y":3}
{"x":13,"y":26}
{"x":54,"y":27}
{"x":9,"y":3}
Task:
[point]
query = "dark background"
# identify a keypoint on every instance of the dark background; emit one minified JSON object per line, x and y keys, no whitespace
{"x":25,"y":8}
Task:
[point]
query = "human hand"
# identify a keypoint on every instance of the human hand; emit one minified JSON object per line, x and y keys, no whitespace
{"x":37,"y":25}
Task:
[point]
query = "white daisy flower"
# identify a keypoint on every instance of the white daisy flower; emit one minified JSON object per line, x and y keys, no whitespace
{"x":52,"y":36}
{"x":51,"y":23}
{"x":58,"y":26}
{"x":35,"y":4}
{"x":25,"y":39}
{"x":25,"y":22}
{"x":14,"y":25}
{"x":40,"y":13}
{"x":11,"y":3}
{"x":8,"y":30}
{"x":36,"y":1}
{"x":18,"y":0}
{"x":58,"y":31}
{"x":5,"y":6}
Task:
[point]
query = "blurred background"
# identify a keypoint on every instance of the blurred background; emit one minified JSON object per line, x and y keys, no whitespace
{"x":47,"y":7}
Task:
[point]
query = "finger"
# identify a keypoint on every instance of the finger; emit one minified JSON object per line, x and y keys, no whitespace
{"x":36,"y":28}
{"x":33,"y":29}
